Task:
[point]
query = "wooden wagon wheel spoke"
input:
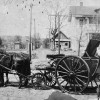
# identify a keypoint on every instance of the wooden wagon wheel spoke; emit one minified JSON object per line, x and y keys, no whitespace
{"x":74,"y":85}
{"x":66,"y":65}
{"x":64,"y":68}
{"x":66,"y":83}
{"x":76,"y":63}
{"x":82,"y":71}
{"x":63,"y":81}
{"x":61,"y":76}
{"x":81,"y":81}
{"x":78,"y":84}
{"x":81,"y":76}
{"x":79,"y":67}
{"x":95,"y":82}
{"x":72,"y":63}
{"x":62,"y":72}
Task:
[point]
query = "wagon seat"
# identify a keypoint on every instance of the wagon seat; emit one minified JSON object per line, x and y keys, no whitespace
{"x":55,"y":58}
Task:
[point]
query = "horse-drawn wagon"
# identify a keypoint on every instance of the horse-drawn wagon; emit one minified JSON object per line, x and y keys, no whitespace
{"x":72,"y":73}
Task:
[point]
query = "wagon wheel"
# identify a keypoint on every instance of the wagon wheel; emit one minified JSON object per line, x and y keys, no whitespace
{"x":72,"y":74}
{"x":50,"y":79}
{"x":38,"y":80}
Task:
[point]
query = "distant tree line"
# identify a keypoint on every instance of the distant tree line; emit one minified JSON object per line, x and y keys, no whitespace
{"x":36,"y":42}
{"x":46,"y":43}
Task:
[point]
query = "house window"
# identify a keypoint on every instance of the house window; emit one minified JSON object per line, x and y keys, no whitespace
{"x":82,"y":21}
{"x":56,"y":44}
{"x":92,"y":20}
{"x":66,"y":44}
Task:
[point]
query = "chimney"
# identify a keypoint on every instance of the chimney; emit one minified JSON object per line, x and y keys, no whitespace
{"x":81,"y":4}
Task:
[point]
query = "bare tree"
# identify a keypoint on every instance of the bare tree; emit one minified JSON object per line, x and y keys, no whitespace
{"x":56,"y":9}
{"x":53,"y":7}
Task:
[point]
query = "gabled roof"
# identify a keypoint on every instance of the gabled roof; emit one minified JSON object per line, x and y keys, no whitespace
{"x":83,"y":10}
{"x":63,"y":36}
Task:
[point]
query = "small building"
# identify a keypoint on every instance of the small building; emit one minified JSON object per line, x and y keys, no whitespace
{"x":17,"y":45}
{"x":65,"y":42}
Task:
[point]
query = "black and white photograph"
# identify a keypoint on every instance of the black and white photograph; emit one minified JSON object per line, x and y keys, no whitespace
{"x":49,"y":49}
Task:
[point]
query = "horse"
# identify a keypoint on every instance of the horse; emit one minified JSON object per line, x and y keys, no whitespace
{"x":23,"y":68}
{"x":6,"y":62}
{"x":17,"y":62}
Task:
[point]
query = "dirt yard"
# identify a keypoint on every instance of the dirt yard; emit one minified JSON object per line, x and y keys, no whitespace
{"x":13,"y":93}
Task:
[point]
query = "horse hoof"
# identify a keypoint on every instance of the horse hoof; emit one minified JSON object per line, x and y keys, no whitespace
{"x":7,"y":82}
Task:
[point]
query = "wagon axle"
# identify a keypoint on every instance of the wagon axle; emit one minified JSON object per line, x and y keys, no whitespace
{"x":72,"y":74}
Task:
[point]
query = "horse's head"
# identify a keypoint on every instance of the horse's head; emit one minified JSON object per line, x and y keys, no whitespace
{"x":21,"y":64}
{"x":5,"y":60}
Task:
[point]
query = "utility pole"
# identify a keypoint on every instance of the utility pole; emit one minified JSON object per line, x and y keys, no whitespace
{"x":35,"y":33}
{"x":55,"y":30}
{"x":50,"y":32}
{"x":59,"y":34}
{"x":30,"y":29}
{"x":31,"y":5}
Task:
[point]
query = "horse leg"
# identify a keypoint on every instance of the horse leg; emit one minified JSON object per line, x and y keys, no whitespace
{"x":1,"y":78}
{"x":7,"y":79}
{"x":20,"y":82}
{"x":26,"y":82}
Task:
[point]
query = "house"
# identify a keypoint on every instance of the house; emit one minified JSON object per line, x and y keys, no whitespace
{"x":17,"y":45}
{"x":65,"y":42}
{"x":84,"y":15}
{"x":82,"y":20}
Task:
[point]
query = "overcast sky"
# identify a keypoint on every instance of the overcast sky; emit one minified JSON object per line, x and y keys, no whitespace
{"x":15,"y":16}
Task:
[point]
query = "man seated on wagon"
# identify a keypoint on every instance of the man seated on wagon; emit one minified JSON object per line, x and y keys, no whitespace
{"x":98,"y":51}
{"x":92,"y":49}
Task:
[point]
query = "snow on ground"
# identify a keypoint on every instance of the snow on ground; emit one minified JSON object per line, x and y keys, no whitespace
{"x":13,"y":93}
